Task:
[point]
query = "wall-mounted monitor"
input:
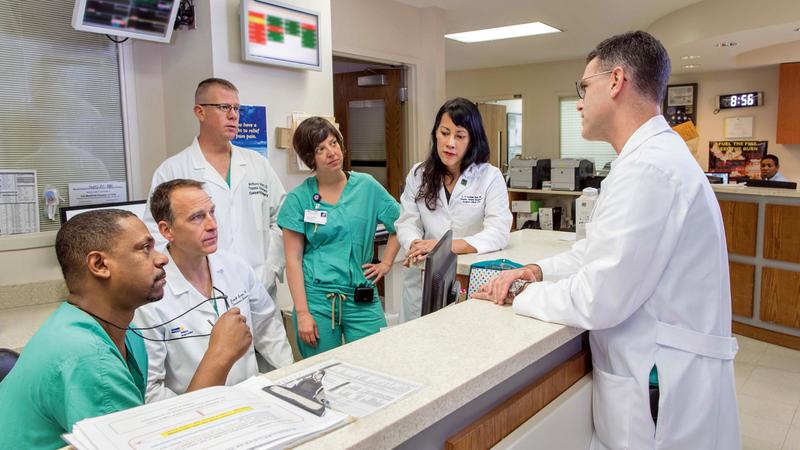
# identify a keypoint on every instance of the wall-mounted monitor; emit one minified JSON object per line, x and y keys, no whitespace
{"x":280,"y":34}
{"x":137,"y":207}
{"x":151,"y":20}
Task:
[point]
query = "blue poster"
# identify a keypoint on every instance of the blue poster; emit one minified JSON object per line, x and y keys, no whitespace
{"x":252,"y":129}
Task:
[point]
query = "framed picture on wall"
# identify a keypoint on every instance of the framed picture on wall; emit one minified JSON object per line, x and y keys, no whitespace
{"x":514,"y":134}
{"x":278,"y":33}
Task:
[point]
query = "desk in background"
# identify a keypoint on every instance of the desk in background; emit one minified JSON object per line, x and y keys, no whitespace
{"x":762,"y":229}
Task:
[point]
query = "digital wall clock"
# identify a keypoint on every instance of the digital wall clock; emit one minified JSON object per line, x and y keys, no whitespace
{"x":740,"y":100}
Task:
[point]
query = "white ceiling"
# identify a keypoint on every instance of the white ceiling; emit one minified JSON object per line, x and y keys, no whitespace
{"x":764,"y":30}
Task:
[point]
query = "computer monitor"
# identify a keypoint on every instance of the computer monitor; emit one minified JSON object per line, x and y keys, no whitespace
{"x":137,"y":207}
{"x":151,"y":20}
{"x":717,"y":177}
{"x":771,"y":184}
{"x":439,"y":285}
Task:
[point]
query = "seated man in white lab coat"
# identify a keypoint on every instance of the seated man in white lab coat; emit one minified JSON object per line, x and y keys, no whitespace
{"x":650,"y":281}
{"x":202,"y":284}
{"x":245,"y":189}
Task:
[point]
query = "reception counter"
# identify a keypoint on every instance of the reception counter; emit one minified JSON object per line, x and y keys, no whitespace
{"x":762,"y":227}
{"x":469,"y":358}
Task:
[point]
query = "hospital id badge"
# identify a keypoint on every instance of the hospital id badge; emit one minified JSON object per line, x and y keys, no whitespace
{"x":316,"y":216}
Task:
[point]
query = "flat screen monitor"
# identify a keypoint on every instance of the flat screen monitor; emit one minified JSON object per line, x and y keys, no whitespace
{"x":137,"y":207}
{"x":151,"y":20}
{"x":440,"y":276}
{"x":717,"y":177}
{"x":772,"y":184}
{"x":280,"y":34}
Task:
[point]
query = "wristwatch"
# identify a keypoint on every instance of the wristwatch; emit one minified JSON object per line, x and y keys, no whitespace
{"x":517,"y":287}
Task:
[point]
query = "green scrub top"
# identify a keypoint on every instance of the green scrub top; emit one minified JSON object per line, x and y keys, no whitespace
{"x":334,"y":252}
{"x":69,"y":371}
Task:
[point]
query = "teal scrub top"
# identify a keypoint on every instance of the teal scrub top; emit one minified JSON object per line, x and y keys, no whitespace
{"x":334,"y":252}
{"x":69,"y":371}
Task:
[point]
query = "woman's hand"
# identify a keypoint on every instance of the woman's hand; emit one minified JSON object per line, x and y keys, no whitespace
{"x":418,"y":250}
{"x":378,"y":271}
{"x":307,"y":328}
{"x":497,"y":289}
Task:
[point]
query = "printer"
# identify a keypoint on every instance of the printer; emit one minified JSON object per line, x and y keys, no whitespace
{"x":527,"y":172}
{"x":520,"y":172}
{"x":568,"y":174}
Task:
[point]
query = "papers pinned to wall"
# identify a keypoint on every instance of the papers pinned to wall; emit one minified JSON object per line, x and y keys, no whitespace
{"x":19,"y":202}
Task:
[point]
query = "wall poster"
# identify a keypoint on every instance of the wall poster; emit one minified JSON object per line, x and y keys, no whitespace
{"x":741,"y":159}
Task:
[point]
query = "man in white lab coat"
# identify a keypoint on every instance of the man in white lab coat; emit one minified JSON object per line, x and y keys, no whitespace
{"x":650,"y":281}
{"x":245,"y":189}
{"x":202,"y":284}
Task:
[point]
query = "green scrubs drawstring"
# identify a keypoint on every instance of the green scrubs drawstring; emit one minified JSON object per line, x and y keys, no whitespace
{"x":333,"y":296}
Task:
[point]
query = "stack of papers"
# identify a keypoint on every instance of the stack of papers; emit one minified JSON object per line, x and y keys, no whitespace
{"x":223,"y":417}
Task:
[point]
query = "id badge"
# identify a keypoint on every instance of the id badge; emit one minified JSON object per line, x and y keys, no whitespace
{"x":316,"y":216}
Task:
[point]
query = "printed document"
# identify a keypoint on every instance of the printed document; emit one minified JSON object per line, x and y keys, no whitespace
{"x":223,"y":417}
{"x":354,"y":390}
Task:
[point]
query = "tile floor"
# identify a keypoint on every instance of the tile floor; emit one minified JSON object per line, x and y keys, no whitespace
{"x":768,"y":389}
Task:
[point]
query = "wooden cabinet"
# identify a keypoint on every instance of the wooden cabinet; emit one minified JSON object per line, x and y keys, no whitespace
{"x":788,"y":131}
{"x":780,"y":297}
{"x":781,"y":236}
{"x":742,"y":288}
{"x":741,"y":221}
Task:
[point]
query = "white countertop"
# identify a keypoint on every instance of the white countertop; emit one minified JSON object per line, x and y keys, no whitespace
{"x":456,"y":353}
{"x":524,"y":247}
{"x":755,"y":191}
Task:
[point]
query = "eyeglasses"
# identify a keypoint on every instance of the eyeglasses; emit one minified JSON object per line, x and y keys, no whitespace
{"x":581,"y":88}
{"x":224,"y":107}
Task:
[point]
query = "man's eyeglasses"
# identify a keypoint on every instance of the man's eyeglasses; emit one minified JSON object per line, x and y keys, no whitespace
{"x":224,"y":107}
{"x":579,"y":86}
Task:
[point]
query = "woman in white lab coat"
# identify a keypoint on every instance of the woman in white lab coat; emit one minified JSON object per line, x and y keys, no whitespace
{"x":454,"y":188}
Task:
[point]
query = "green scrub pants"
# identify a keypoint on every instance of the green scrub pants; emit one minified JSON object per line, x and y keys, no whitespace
{"x":339,"y":317}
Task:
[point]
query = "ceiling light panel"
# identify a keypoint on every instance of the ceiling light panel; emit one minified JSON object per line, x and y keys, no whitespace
{"x":509,"y":32}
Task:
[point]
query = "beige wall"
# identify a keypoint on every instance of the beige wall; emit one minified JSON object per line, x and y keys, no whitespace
{"x":711,"y":126}
{"x":541,"y":85}
{"x":388,"y":31}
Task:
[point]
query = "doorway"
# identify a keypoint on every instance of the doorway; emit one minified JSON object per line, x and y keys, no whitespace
{"x":502,"y":119}
{"x":369,"y":101}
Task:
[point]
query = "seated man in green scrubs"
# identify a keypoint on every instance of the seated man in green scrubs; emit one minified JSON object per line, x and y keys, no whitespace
{"x":84,"y":362}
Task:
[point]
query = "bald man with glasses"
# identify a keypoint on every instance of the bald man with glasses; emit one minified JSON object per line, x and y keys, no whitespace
{"x":246,"y":191}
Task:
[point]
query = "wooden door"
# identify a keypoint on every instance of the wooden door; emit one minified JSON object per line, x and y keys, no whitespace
{"x":495,"y":124}
{"x":366,"y":103}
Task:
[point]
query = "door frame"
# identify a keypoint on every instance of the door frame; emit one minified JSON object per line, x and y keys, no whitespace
{"x":411,"y":117}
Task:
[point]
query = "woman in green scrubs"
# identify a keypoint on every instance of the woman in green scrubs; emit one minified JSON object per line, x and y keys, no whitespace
{"x":329,"y":224}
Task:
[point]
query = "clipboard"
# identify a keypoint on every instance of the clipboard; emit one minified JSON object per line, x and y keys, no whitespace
{"x":298,"y":399}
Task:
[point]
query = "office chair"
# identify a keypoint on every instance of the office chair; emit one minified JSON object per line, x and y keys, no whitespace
{"x":7,"y":360}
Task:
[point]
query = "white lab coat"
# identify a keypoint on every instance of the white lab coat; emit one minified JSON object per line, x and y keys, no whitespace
{"x":172,"y":364}
{"x":477,"y":212}
{"x":651,"y":283}
{"x":247,"y":216}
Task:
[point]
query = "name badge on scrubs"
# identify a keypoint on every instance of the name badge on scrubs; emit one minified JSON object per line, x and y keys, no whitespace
{"x":316,"y":216}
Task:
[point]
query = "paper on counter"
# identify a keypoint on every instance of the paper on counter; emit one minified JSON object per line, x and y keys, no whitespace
{"x":222,"y":417}
{"x":354,"y":390}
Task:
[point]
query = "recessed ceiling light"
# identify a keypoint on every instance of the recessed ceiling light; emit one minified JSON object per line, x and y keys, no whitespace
{"x":690,"y":57}
{"x":691,"y":66}
{"x":726,"y":44}
{"x":511,"y":31}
